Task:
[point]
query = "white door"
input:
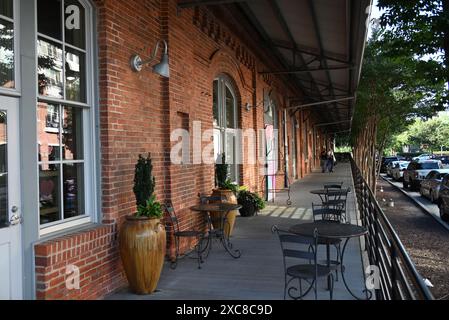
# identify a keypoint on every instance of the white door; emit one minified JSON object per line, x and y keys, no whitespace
{"x":10,"y":221}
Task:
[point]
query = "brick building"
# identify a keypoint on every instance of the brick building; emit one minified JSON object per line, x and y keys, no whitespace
{"x":75,"y":116}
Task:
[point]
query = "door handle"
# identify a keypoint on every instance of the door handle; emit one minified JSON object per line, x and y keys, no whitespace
{"x":15,"y":220}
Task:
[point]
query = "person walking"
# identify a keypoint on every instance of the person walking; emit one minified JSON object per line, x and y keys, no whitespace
{"x":323,"y":161}
{"x":330,"y":161}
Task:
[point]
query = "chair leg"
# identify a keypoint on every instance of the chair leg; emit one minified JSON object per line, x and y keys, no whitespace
{"x":285,"y":286}
{"x":174,"y":264}
{"x":199,"y":251}
{"x":331,"y":291}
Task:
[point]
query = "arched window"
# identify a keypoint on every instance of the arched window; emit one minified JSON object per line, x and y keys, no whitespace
{"x":225,"y":124}
{"x":65,"y":113}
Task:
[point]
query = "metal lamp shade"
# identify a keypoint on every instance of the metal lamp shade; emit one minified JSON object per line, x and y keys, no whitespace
{"x":162,"y":67}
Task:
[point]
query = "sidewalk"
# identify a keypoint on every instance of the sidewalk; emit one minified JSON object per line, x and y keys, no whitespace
{"x":259,"y":273}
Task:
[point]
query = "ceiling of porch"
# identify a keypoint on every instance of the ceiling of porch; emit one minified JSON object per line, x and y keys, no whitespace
{"x":318,"y":43}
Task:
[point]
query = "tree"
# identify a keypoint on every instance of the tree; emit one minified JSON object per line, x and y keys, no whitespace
{"x":433,"y":133}
{"x":419,"y":27}
{"x":393,"y":90}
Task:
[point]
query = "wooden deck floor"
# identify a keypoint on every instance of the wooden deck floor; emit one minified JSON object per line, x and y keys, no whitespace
{"x":258,"y":274}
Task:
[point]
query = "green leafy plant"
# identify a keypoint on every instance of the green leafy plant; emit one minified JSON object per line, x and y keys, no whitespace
{"x":144,"y":184}
{"x":229,"y":185}
{"x":151,"y":209}
{"x":246,"y":197}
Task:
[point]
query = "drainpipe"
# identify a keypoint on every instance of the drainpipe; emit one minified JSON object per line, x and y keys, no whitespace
{"x":285,"y":149}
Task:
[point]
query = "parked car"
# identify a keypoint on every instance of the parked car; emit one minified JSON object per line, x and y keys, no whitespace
{"x":390,"y":168}
{"x":443,"y":159}
{"x":430,"y":186}
{"x":424,"y":156}
{"x":398,"y":170}
{"x":417,"y":171}
{"x":443,"y":201}
{"x":385,"y":162}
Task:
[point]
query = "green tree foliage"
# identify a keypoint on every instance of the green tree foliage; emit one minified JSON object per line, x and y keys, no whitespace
{"x":419,"y":27}
{"x":433,"y":133}
{"x":394,"y":90}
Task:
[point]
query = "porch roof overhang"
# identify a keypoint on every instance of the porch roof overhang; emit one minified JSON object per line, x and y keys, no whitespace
{"x":318,"y":43}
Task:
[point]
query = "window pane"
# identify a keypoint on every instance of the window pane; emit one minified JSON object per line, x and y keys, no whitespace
{"x":73,"y":190}
{"x":49,"y":18}
{"x":4,"y":216}
{"x":48,"y":125}
{"x":6,"y":54}
{"x":75,"y":32}
{"x":72,"y":133}
{"x":75,"y":75}
{"x":50,"y":69}
{"x":6,"y":8}
{"x":230,"y":109}
{"x":215,"y":104}
{"x":49,"y":193}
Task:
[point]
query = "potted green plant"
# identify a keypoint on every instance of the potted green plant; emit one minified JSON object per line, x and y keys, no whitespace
{"x":227,"y":189}
{"x":142,"y":238}
{"x":251,"y":202}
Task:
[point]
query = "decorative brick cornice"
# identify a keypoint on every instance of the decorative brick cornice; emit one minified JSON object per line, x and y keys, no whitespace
{"x":215,"y":30}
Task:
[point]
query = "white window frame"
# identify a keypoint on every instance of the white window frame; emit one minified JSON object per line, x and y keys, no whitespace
{"x":223,"y":83}
{"x":16,"y":91}
{"x":89,"y":141}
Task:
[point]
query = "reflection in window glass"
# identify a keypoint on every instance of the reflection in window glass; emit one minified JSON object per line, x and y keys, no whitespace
{"x":230,"y":109}
{"x":75,"y":32}
{"x":4,"y":216}
{"x":75,"y":75}
{"x":215,"y":103}
{"x":72,"y":133}
{"x":6,"y":54}
{"x":48,"y":132}
{"x":73,"y":190}
{"x":49,"y":18}
{"x":50,"y":69}
{"x":7,"y":8}
{"x":49,"y":193}
{"x":60,"y":200}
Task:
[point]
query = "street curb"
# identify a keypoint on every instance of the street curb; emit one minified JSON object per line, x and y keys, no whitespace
{"x":442,"y":223}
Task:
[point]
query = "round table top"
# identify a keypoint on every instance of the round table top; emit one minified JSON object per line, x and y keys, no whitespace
{"x":329,"y":229}
{"x":328,"y":192}
{"x":218,"y":207}
{"x":325,"y":211}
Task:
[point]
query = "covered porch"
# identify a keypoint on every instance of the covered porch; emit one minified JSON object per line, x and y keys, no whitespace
{"x":259,"y":274}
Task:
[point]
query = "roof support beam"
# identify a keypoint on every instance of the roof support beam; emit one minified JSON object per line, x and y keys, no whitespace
{"x":331,"y":123}
{"x":194,"y":3}
{"x":286,"y":29}
{"x":320,"y":103}
{"x":308,"y":51}
{"x":331,"y":68}
{"x":266,"y":40}
{"x":320,"y":43}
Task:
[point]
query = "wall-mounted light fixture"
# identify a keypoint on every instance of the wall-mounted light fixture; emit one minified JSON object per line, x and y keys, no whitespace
{"x":248,"y":105}
{"x":161,"y":68}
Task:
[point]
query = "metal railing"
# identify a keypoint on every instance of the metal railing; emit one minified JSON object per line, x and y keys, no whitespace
{"x":398,"y":277}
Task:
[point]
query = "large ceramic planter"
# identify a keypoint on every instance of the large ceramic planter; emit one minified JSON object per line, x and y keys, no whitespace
{"x":231,"y":198}
{"x":142,"y":249}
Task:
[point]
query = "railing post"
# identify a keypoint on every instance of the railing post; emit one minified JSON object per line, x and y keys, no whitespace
{"x":393,"y":256}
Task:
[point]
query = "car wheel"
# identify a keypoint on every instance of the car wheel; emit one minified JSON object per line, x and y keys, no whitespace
{"x":432,"y":199}
{"x":444,"y":216}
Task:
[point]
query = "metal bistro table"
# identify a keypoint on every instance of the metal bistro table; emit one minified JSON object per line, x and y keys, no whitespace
{"x":334,"y":230}
{"x":223,"y":209}
{"x":325,"y":193}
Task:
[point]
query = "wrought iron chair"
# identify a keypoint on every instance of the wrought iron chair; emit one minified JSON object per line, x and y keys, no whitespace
{"x":333,"y":185}
{"x":309,"y":272}
{"x":178,"y":234}
{"x":321,"y":213}
{"x":337,"y":201}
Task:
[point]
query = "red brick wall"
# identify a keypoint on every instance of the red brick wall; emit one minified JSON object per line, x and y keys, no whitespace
{"x":138,"y":111}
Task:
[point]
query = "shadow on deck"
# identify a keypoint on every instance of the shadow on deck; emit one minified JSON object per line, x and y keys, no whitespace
{"x":259,"y":274}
